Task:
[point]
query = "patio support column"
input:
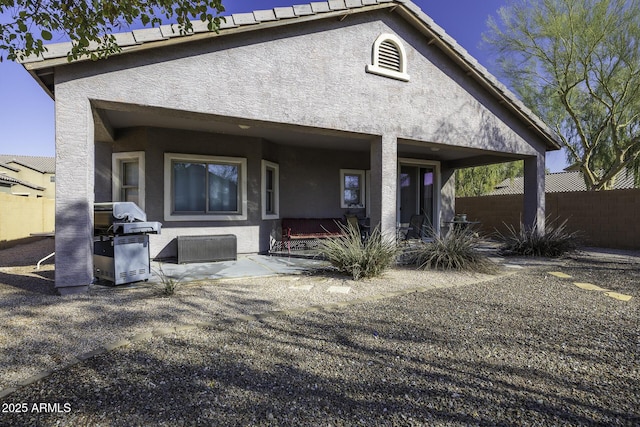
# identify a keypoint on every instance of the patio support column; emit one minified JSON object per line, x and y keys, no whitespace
{"x":447,"y":195}
{"x":74,"y":192}
{"x":384,"y":177}
{"x":534,"y":197}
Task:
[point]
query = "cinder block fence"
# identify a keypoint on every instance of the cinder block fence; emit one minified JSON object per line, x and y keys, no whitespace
{"x":608,"y":219}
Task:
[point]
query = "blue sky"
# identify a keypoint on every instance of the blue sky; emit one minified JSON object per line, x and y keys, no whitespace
{"x":27,"y":112}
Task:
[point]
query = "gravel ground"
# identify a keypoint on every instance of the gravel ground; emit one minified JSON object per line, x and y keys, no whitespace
{"x":524,"y":348}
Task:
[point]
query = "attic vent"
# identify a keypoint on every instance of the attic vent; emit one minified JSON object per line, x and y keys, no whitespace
{"x":389,"y":58}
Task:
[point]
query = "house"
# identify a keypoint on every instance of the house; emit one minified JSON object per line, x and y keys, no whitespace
{"x":559,"y":182}
{"x":314,"y":110}
{"x":31,"y":176}
{"x":27,"y":191}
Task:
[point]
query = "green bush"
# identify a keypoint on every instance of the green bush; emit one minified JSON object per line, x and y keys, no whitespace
{"x":357,"y":258}
{"x":456,"y":250}
{"x":554,"y":242}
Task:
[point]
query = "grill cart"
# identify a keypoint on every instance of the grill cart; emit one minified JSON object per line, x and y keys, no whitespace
{"x":121,"y":242}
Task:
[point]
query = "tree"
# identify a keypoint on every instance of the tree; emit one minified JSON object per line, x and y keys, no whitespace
{"x":576,"y":63}
{"x":480,"y":180}
{"x":25,"y":25}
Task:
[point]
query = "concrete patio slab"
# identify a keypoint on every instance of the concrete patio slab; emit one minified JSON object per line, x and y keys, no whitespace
{"x":244,"y":266}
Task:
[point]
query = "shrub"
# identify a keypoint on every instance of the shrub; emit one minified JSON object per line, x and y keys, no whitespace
{"x":456,"y":250}
{"x":358,"y":258}
{"x":554,"y":242}
{"x":168,"y":284}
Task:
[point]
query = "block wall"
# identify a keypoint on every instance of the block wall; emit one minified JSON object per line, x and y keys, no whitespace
{"x":22,"y":216}
{"x":608,"y":219}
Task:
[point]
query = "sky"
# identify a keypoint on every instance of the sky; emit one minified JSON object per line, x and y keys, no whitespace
{"x":27,"y":112}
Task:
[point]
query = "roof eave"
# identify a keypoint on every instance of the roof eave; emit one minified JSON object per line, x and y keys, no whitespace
{"x":474,"y":69}
{"x":406,"y":9}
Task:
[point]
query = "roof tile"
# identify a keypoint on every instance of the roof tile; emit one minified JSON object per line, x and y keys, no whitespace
{"x":320,"y":6}
{"x":352,"y":4}
{"x":244,"y":18}
{"x":337,"y":5}
{"x":125,"y":39}
{"x":559,"y":182}
{"x":227,"y":22}
{"x":169,"y":31}
{"x":199,"y":26}
{"x":264,"y":15}
{"x":57,"y":50}
{"x":303,"y":9}
{"x":284,"y":12}
{"x":148,"y":35}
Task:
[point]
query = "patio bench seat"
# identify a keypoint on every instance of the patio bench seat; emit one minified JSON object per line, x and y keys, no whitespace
{"x":300,"y":229}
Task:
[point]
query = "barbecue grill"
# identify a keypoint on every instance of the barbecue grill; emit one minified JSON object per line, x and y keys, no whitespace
{"x":121,"y":242}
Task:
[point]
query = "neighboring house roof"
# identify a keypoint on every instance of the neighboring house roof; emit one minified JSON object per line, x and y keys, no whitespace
{"x":37,"y":163}
{"x":559,"y":183}
{"x":9,"y":167}
{"x":42,"y":68}
{"x":9,"y":181}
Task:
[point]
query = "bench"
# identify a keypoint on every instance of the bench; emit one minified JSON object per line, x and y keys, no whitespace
{"x":301,"y":229}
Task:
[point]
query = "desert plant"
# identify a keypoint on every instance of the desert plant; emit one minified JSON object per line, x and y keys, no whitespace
{"x":455,"y":250}
{"x":359,"y":258}
{"x":168,"y":284}
{"x":553,"y":242}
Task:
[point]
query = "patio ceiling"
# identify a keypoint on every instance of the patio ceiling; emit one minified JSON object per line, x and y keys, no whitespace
{"x":110,"y":117}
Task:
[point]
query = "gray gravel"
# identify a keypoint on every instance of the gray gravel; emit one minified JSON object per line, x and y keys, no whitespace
{"x":521,"y":349}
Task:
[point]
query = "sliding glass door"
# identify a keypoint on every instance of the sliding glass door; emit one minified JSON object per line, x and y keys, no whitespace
{"x":417,"y":193}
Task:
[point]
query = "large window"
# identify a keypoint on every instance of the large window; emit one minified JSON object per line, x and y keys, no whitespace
{"x":270,"y":190}
{"x":352,"y":188}
{"x":128,"y":177}
{"x":204,"y":187}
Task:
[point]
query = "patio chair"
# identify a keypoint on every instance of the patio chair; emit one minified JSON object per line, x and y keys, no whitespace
{"x":416,"y":229}
{"x":354,"y":221}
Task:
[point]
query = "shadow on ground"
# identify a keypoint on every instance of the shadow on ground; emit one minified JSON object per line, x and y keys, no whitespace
{"x":509,"y":352}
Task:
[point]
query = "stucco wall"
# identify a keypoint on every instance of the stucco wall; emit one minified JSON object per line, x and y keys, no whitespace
{"x":309,"y":182}
{"x":310,"y":74}
{"x":21,"y":216}
{"x":313,"y":75}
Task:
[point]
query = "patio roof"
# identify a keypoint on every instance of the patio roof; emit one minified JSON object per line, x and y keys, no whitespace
{"x":43,"y":68}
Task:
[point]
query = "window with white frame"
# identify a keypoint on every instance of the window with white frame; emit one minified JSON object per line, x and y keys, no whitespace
{"x":128,"y":172}
{"x":270,"y":190}
{"x":352,"y":188}
{"x":388,"y":58}
{"x":205,"y":187}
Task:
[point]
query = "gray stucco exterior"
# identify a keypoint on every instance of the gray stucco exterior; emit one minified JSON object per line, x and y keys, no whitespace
{"x":305,"y":102}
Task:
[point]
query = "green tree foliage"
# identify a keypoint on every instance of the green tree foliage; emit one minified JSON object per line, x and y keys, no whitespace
{"x":25,"y":25}
{"x":576,"y":63}
{"x":481,"y":180}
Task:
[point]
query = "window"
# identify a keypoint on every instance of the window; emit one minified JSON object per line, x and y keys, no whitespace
{"x":205,"y":187}
{"x":352,"y":188}
{"x":270,"y":190}
{"x":128,"y":177}
{"x":389,"y":58}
